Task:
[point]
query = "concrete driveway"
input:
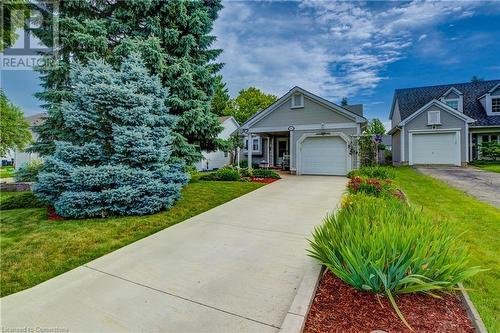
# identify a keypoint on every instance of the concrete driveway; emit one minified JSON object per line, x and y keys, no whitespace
{"x":483,"y":185}
{"x":234,"y":268}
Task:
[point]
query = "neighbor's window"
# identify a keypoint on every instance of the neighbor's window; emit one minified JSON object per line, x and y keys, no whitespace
{"x":495,"y":104}
{"x":297,"y":101}
{"x":225,"y":154}
{"x":433,"y":118}
{"x":452,"y":103}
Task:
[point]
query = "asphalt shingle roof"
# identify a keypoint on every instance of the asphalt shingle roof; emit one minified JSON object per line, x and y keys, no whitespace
{"x":412,"y":99}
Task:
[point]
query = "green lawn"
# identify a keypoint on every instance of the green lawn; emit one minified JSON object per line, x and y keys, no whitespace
{"x":34,"y":249}
{"x":480,"y":225}
{"x":6,"y":172}
{"x":489,"y":166}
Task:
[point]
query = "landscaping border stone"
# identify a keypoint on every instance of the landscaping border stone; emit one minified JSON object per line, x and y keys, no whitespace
{"x":297,"y":313}
{"x":474,"y":316}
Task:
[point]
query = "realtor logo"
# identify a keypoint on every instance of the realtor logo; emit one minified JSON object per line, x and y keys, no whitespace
{"x":20,"y":48}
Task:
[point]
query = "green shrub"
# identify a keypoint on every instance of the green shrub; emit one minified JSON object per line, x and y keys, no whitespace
{"x":383,"y":246}
{"x":20,"y":200}
{"x":244,"y":164}
{"x":264,"y":173}
{"x":490,"y":150}
{"x":29,"y":171}
{"x":378,"y":172}
{"x":226,"y":174}
{"x":244,"y":172}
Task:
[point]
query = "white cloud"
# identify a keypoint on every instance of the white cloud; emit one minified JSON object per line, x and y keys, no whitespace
{"x":334,"y":49}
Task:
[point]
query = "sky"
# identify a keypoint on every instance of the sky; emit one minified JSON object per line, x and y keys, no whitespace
{"x":361,"y":50}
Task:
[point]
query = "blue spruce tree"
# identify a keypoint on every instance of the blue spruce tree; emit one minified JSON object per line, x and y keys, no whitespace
{"x":119,"y":159}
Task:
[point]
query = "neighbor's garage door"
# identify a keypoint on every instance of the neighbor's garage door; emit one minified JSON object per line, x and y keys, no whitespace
{"x":323,"y":156}
{"x":435,"y":148}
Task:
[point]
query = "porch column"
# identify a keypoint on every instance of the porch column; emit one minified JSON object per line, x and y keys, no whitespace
{"x":271,"y":153}
{"x":249,"y":150}
{"x":268,"y":155}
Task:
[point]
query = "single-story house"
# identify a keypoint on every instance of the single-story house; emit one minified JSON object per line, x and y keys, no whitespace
{"x":218,"y":159}
{"x":444,"y":124}
{"x":307,"y":133}
{"x":22,"y":157}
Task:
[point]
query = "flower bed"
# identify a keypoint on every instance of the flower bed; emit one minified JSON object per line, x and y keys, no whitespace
{"x":338,"y":307}
{"x":263,"y":180}
{"x":386,"y":251}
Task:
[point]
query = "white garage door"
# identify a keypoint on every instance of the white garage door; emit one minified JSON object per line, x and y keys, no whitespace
{"x":435,"y":148}
{"x":323,"y":156}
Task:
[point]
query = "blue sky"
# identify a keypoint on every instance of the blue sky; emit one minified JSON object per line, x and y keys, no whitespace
{"x":362,"y":50}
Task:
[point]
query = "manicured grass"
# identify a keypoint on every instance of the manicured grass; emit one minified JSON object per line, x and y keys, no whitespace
{"x":479,"y":224}
{"x":489,"y":166}
{"x":7,"y":172}
{"x":34,"y":249}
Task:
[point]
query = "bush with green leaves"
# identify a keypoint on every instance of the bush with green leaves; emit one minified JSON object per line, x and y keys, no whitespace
{"x":378,"y":172}
{"x":490,"y":150}
{"x":244,"y":164}
{"x":383,"y":246}
{"x":265,"y":173}
{"x":29,"y":172}
{"x":226,"y":174}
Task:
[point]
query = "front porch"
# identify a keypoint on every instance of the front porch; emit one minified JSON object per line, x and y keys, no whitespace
{"x":268,"y":149}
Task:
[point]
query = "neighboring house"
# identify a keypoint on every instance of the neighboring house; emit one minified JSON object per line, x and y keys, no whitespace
{"x":218,"y":159}
{"x":22,"y":157}
{"x":444,"y":124}
{"x":311,"y":134}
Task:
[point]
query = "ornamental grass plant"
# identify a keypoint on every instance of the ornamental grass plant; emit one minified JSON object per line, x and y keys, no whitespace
{"x":381,"y":245}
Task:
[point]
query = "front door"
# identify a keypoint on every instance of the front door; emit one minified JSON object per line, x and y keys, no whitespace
{"x":281,"y":149}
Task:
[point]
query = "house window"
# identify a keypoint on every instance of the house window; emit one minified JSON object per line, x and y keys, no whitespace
{"x":225,"y":154}
{"x":256,"y":142}
{"x":297,"y":101}
{"x":495,"y":104}
{"x":485,"y":138}
{"x":433,"y":118}
{"x":452,"y":103}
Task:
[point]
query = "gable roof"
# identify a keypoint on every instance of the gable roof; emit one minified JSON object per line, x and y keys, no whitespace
{"x":440,"y":105}
{"x":36,"y":119}
{"x":412,"y":99}
{"x":263,"y":113}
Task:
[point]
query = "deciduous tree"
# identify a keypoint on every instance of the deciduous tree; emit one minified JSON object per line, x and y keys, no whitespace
{"x":249,"y":102}
{"x":14,"y":129}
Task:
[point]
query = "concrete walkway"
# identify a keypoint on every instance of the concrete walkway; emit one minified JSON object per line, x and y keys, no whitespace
{"x":483,"y":185}
{"x":234,"y":268}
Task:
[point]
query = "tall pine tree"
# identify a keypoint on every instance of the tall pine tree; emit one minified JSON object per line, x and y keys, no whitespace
{"x":119,"y":159}
{"x":174,"y":39}
{"x":221,"y":99}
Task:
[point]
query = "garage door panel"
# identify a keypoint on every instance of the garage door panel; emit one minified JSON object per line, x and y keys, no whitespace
{"x":324,"y":156}
{"x":435,"y":148}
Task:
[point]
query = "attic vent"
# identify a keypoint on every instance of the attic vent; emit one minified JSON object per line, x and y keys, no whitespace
{"x":433,"y":118}
{"x":297,"y":100}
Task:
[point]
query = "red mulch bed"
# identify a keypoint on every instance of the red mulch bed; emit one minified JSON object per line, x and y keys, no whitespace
{"x":52,"y":215}
{"x":263,"y":180}
{"x":337,"y":307}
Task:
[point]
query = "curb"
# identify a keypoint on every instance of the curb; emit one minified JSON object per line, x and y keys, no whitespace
{"x":297,"y":313}
{"x":474,"y":317}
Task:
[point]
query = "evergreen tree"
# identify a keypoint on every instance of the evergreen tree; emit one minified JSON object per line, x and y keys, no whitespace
{"x":375,"y":126}
{"x":174,"y":39}
{"x":344,"y":101}
{"x":119,"y":159}
{"x":221,"y":98}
